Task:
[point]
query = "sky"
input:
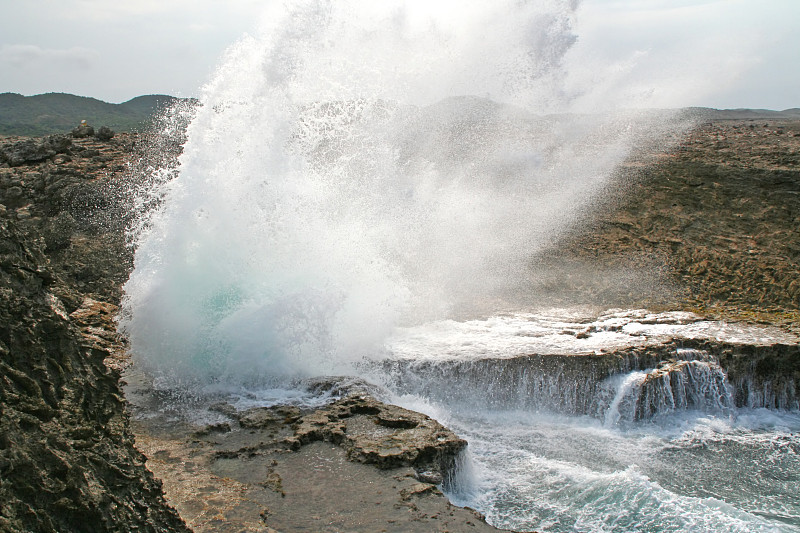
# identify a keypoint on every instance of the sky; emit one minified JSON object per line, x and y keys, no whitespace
{"x":738,"y":53}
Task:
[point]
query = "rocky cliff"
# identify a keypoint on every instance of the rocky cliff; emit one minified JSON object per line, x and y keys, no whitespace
{"x":67,"y":456}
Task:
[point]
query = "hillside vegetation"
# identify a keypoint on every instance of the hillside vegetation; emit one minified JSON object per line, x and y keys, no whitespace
{"x":44,"y":114}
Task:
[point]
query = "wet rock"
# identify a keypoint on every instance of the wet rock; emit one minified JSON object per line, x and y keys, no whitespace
{"x":760,"y":375}
{"x":77,"y":207}
{"x":224,"y":409}
{"x":340,"y":386}
{"x":680,"y":385}
{"x":384,"y":435}
{"x":259,"y":417}
{"x":60,"y":144}
{"x":220,"y":427}
{"x":426,"y":476}
{"x":396,"y":420}
{"x":417,"y":490}
{"x":99,"y":336}
{"x":57,"y":231}
{"x":31,"y":151}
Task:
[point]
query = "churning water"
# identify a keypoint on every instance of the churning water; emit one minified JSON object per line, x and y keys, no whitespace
{"x":558,"y":444}
{"x":688,"y":472}
{"x":355,"y":176}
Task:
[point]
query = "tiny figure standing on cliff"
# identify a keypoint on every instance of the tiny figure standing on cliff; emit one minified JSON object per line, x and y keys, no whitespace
{"x":83,"y":130}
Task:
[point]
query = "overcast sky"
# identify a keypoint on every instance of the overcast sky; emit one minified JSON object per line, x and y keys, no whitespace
{"x":745,"y":52}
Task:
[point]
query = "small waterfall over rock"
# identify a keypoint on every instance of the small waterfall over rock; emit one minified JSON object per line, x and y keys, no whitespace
{"x":772,"y":394}
{"x":617,"y":387}
{"x":680,"y":385}
{"x":761,"y":376}
{"x":572,"y":385}
{"x":624,"y":401}
{"x":695,"y":381}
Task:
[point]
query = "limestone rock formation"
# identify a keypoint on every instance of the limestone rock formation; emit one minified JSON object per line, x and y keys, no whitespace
{"x":67,"y":460}
{"x":384,"y":435}
{"x":717,"y":217}
{"x":104,"y":133}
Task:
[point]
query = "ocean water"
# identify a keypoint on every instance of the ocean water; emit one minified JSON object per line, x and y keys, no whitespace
{"x":687,"y":472}
{"x":537,"y":461}
{"x":365,"y":184}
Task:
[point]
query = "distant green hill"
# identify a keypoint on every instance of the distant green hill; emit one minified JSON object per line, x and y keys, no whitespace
{"x":59,"y":113}
{"x":745,"y":114}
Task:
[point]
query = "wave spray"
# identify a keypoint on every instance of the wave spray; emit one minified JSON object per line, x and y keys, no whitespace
{"x":359,"y":166}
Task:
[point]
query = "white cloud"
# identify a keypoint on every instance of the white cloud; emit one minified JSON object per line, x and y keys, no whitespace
{"x":687,"y":52}
{"x":29,"y":56}
{"x":737,"y":52}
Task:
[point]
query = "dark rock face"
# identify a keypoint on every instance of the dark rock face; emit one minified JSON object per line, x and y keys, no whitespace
{"x":104,"y":133}
{"x":33,"y":150}
{"x":761,"y":376}
{"x":82,"y":131}
{"x":73,"y":200}
{"x":67,"y":461}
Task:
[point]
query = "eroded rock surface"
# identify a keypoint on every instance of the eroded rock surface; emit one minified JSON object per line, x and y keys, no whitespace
{"x":67,"y":460}
{"x":293,"y":468}
{"x":384,"y":435}
{"x":716,"y":217}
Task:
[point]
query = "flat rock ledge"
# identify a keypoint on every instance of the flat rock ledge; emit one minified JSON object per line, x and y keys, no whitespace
{"x":355,"y":464}
{"x":370,"y":432}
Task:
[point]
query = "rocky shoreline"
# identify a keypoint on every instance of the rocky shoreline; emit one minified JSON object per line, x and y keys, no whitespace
{"x":716,"y":218}
{"x":71,"y":456}
{"x":355,"y":464}
{"x":67,"y":459}
{"x":67,"y":455}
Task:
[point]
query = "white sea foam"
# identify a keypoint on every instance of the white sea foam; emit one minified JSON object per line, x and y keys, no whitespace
{"x":337,"y":182}
{"x":692,"y":472}
{"x":566,"y":331}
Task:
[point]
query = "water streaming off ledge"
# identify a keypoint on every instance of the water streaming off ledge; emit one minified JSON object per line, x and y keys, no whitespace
{"x":610,"y":423}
